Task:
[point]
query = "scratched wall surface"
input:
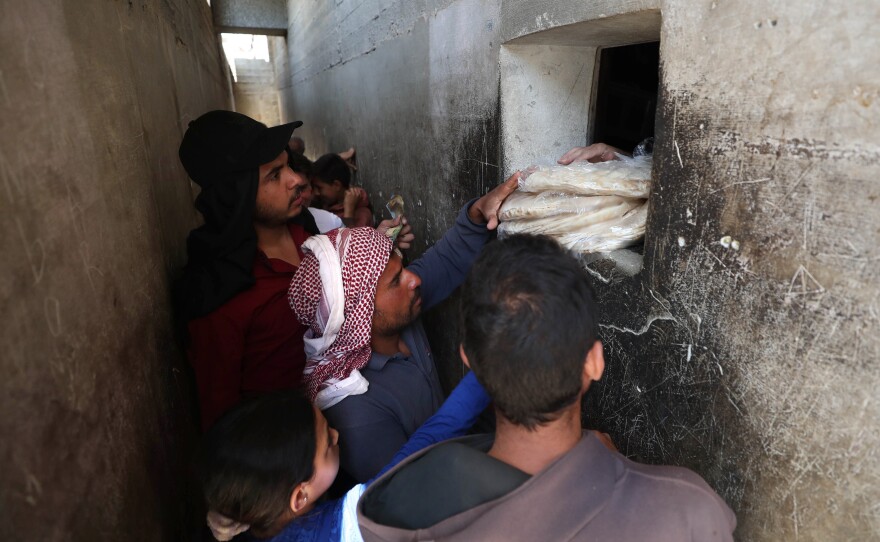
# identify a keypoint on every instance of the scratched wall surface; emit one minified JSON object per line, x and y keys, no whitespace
{"x":754,"y":362}
{"x":769,"y":135}
{"x":97,"y":407}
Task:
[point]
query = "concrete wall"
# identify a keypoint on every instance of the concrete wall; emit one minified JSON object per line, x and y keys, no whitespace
{"x":757,"y":367}
{"x":97,"y":405}
{"x":250,"y":16}
{"x":768,"y":133}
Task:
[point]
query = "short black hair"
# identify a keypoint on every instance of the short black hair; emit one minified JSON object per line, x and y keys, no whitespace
{"x":529,"y":321}
{"x":255,"y":455}
{"x":299,"y":163}
{"x":331,"y":167}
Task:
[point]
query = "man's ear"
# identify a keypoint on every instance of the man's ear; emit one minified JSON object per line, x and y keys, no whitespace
{"x":594,"y":365}
{"x":299,"y":498}
{"x":338,"y":184}
{"x":463,"y":356}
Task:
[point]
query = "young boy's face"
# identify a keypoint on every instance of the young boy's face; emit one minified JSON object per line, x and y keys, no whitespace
{"x":328,"y":194}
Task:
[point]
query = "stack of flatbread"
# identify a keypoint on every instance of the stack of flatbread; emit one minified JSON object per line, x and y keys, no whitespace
{"x":586,"y":207}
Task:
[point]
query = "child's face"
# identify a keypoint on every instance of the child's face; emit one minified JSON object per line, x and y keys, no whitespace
{"x":326,"y":457}
{"x":328,"y":194}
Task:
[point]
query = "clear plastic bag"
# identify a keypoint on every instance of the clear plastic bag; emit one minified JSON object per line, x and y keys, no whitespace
{"x":528,"y":206}
{"x":611,"y":235}
{"x":628,"y":177}
{"x":587,"y":207}
{"x":563,"y":224}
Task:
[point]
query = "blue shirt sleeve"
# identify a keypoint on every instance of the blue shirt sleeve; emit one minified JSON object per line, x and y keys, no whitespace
{"x":457,"y":414}
{"x":443,"y":267}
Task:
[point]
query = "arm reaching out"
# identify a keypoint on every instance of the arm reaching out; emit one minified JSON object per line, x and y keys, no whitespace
{"x":597,"y":152}
{"x":485,"y":209}
{"x":443,"y":267}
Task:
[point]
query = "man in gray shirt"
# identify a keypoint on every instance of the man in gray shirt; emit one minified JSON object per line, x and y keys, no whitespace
{"x":529,"y":326}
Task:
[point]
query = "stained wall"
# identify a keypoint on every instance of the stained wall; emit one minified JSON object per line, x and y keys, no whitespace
{"x":98,"y":416}
{"x":756,"y":366}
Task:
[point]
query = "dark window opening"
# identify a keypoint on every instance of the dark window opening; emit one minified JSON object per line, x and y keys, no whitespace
{"x":626,"y":94}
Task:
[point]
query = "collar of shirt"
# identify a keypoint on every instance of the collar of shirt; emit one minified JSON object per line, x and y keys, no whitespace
{"x":378,"y":361}
{"x":264,"y":265}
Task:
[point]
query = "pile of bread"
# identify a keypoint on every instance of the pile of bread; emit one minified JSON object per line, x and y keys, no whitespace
{"x":587,"y":207}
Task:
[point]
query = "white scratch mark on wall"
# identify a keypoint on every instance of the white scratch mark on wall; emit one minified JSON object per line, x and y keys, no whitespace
{"x":725,"y":187}
{"x":644,"y":329}
{"x":804,"y":275}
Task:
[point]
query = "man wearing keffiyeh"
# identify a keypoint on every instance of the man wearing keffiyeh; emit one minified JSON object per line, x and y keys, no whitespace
{"x":369,"y":365}
{"x":333,"y":294}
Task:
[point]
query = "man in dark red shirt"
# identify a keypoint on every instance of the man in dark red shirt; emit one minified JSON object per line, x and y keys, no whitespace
{"x":243,"y":337}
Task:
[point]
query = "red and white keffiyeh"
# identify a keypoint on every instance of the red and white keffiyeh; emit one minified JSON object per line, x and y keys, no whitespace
{"x":333,"y":292}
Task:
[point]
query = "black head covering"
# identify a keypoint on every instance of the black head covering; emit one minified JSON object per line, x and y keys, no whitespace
{"x":222,"y":152}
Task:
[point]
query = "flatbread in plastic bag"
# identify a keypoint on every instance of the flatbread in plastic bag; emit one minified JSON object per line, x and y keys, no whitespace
{"x":562,"y":224}
{"x":607,"y":236}
{"x":527,"y":206}
{"x":628,"y":177}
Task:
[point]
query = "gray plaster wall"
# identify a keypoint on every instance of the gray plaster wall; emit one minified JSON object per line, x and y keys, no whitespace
{"x":97,"y":403}
{"x":762,"y":363}
{"x":758,"y":366}
{"x":250,"y":16}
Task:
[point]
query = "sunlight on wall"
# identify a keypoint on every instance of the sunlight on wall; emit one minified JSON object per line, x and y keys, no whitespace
{"x":244,"y":46}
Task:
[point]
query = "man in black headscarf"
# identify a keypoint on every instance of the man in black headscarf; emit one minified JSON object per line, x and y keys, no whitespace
{"x":243,"y":338}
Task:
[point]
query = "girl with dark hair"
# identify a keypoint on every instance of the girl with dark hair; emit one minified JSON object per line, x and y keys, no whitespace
{"x":268,"y":462}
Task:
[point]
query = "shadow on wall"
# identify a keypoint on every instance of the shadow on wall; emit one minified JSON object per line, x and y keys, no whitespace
{"x":98,"y":405}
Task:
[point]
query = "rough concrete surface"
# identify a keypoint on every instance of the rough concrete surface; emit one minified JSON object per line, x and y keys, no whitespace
{"x":546,"y":105}
{"x":756,"y":366}
{"x":97,"y":406}
{"x":768,"y":134}
{"x":250,"y":16}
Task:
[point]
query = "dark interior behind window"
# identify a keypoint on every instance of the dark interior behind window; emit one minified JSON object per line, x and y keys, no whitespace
{"x":626,"y":94}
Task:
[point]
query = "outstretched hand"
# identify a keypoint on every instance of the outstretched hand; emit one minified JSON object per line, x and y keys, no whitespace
{"x":485,"y":209}
{"x":597,"y":152}
{"x":405,"y":236}
{"x":350,"y":157}
{"x":351,"y":199}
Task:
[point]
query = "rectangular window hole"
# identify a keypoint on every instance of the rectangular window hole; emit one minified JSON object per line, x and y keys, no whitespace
{"x":626,"y":94}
